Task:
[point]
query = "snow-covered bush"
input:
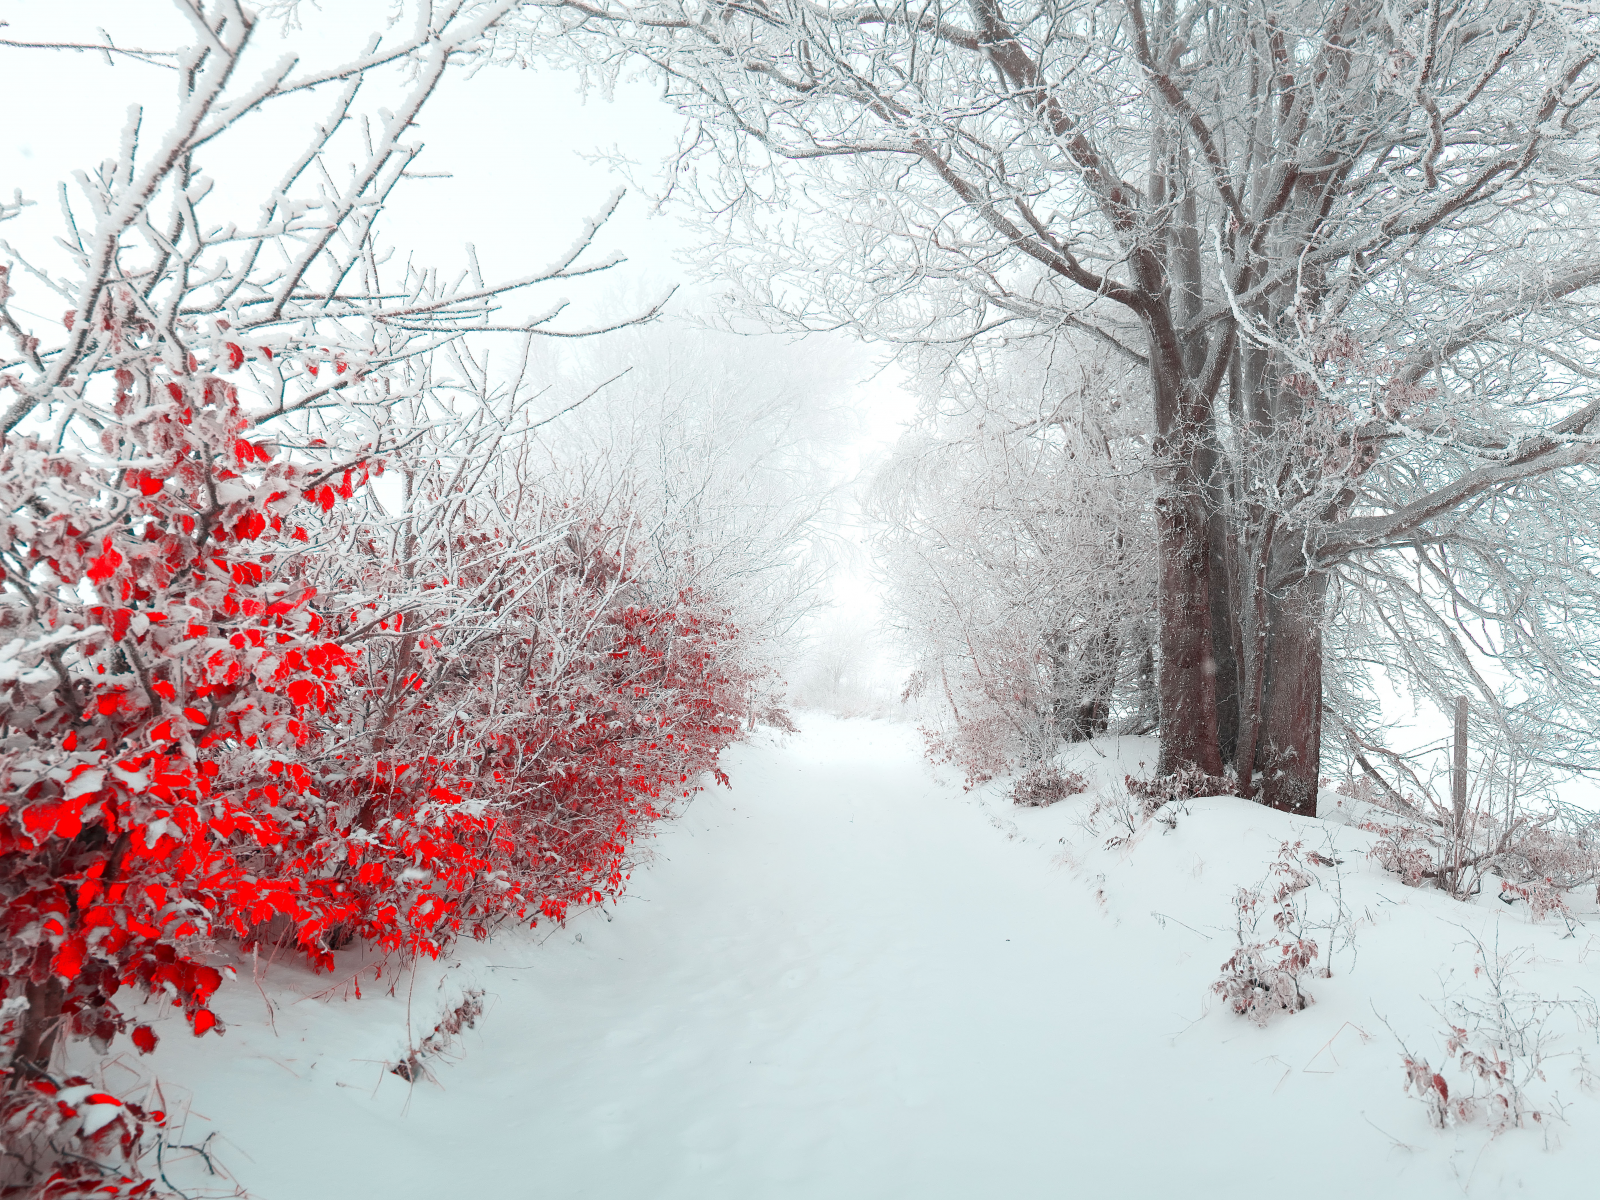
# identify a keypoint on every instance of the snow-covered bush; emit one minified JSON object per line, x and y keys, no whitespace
{"x":66,"y":1138}
{"x":1045,"y":784}
{"x":1537,"y":848}
{"x":1497,"y":1042}
{"x":1183,"y":784}
{"x":464,"y":1015}
{"x":165,"y":677}
{"x":1265,"y":974}
{"x":243,"y":695}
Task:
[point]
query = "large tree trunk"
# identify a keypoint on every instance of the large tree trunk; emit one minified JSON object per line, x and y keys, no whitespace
{"x":1188,"y":691}
{"x":1291,"y":717}
{"x":1184,"y":440}
{"x":1225,"y":631}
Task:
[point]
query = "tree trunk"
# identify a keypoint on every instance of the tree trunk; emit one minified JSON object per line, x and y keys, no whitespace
{"x":1188,"y":691}
{"x":1291,"y":718}
{"x":1225,"y":633}
{"x":1083,"y":689}
{"x":1168,"y":274}
{"x":41,"y":1025}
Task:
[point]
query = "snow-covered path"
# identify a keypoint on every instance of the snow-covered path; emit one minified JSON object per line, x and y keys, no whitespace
{"x":820,"y":992}
{"x":840,"y":979}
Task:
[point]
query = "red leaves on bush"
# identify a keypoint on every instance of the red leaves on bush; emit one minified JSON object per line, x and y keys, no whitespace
{"x":91,"y":1139}
{"x":200,"y":761}
{"x":119,"y":854}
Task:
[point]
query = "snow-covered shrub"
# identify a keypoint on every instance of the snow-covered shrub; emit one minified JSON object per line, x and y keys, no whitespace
{"x":1401,"y":850}
{"x":1264,"y":975}
{"x":450,"y":1024}
{"x":61,"y":1139}
{"x":163,"y":684}
{"x":1543,"y":898}
{"x":1046,"y":783}
{"x":528,"y":699}
{"x":777,"y":717}
{"x":980,"y":744}
{"x":1130,"y":808}
{"x":1537,"y":854}
{"x":1497,"y":1044}
{"x":1162,"y":798}
{"x":1183,"y":784}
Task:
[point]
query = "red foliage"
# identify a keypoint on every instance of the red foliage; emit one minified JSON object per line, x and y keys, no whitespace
{"x":154,"y":682}
{"x":1045,"y":784}
{"x":1264,"y":974}
{"x":74,"y":1139}
{"x":472,"y":800}
{"x":201,"y":745}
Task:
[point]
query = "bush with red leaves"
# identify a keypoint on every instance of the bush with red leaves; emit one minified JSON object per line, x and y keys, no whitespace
{"x":204,"y":742}
{"x":67,"y":1138}
{"x":1045,"y":784}
{"x":1265,"y":974}
{"x":158,"y":680}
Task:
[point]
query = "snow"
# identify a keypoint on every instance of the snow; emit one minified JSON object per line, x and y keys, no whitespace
{"x":846,"y":977}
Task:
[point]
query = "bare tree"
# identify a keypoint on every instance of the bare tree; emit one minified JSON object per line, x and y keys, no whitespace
{"x":1016,"y":541}
{"x":301,"y":295}
{"x":1349,"y":245}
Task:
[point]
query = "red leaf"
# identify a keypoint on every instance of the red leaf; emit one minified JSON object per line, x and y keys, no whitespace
{"x":203,"y":1020}
{"x":68,"y":963}
{"x":147,"y":483}
{"x":103,"y":567}
{"x":144,"y":1038}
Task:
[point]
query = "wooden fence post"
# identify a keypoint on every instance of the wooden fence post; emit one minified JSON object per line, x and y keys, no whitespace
{"x":1458,"y":788}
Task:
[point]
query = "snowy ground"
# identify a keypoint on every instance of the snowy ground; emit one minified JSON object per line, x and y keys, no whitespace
{"x":848,"y":978}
